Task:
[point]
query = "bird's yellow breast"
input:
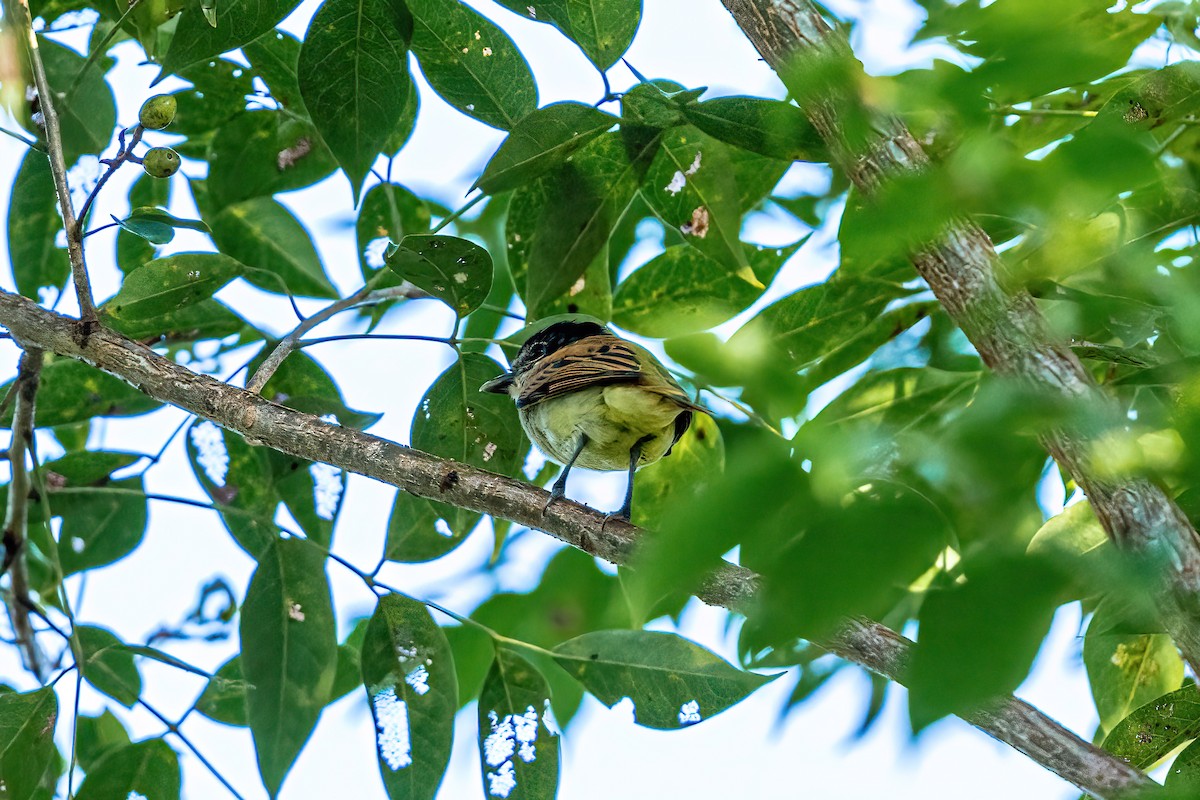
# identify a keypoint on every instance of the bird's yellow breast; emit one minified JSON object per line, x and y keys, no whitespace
{"x":613,"y":418}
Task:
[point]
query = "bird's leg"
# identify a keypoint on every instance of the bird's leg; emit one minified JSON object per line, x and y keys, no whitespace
{"x":626,"y":508}
{"x":560,"y":486}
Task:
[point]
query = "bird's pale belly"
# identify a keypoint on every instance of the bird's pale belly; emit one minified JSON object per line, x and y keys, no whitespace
{"x":612,"y":417}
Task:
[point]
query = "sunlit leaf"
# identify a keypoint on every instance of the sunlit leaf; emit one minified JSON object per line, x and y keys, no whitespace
{"x":1156,"y":728}
{"x":540,"y":142}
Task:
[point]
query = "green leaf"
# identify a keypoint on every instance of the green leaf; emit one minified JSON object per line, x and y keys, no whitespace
{"x":471,"y":63}
{"x":413,"y":535}
{"x":302,"y":383}
{"x":541,"y":141}
{"x":148,"y":768}
{"x":771,"y":128}
{"x":860,"y":345}
{"x":100,"y":528}
{"x":1127,"y":670}
{"x":603,"y":29}
{"x":33,"y":228}
{"x":815,"y":321}
{"x":456,"y":271}
{"x":261,"y":153}
{"x":107,"y":667}
{"x":857,"y":556}
{"x":672,"y":682}
{"x":518,"y":751}
{"x":263,"y":232}
{"x":388,"y":213}
{"x":237,"y":477}
{"x":348,"y":677}
{"x":289,"y":653}
{"x":692,"y":188}
{"x":156,"y":225}
{"x":167,"y":284}
{"x":275,"y":56}
{"x":587,"y":197}
{"x":217,"y":95}
{"x":898,"y":399}
{"x":408,"y":672}
{"x":98,"y":737}
{"x":207,"y":319}
{"x":352,"y":75}
{"x":979,"y":638}
{"x":88,"y":119}
{"x":682,"y":290}
{"x":72,"y":391}
{"x":573,"y":597}
{"x":238,"y":22}
{"x":1183,"y":778}
{"x":133,"y":251}
{"x":27,"y":722}
{"x":224,"y":696}
{"x":456,"y":421}
{"x":1152,"y":731}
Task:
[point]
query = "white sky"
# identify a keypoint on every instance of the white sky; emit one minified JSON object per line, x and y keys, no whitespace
{"x":749,"y":751}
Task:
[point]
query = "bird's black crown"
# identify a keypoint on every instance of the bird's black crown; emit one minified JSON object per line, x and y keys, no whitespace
{"x":552,"y":338}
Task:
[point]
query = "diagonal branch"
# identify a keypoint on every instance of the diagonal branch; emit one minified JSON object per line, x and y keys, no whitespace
{"x":364,"y":296}
{"x":58,"y":166}
{"x":961,"y":268}
{"x":16,"y":514}
{"x":305,"y":436}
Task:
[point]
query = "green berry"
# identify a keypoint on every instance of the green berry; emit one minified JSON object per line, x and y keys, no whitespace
{"x":157,"y":112}
{"x":161,"y":162}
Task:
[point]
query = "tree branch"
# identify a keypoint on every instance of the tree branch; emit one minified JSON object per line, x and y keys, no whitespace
{"x":305,"y":436}
{"x":16,"y":515}
{"x":1006,"y":329}
{"x":287,"y":344}
{"x":58,"y":166}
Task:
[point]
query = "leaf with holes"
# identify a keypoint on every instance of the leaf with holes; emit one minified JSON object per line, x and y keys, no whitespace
{"x":408,"y":672}
{"x":456,"y":271}
{"x":471,"y":63}
{"x":672,"y":682}
{"x":1153,"y":730}
{"x":603,"y":29}
{"x":289,"y":653}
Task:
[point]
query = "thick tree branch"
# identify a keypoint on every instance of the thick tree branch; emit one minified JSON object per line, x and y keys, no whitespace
{"x":1007,"y":329}
{"x":16,"y":514}
{"x":58,"y":166}
{"x":262,"y":422}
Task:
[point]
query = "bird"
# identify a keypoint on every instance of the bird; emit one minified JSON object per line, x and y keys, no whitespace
{"x":586,"y":397}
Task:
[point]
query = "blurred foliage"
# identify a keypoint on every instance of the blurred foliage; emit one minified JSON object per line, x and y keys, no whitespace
{"x":859,"y":457}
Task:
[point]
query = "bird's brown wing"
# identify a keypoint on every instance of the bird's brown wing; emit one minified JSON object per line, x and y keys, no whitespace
{"x":594,"y":361}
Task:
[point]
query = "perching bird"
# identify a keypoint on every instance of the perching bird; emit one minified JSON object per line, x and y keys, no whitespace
{"x":588,"y":397}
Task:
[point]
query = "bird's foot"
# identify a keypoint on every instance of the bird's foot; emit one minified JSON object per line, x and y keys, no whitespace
{"x":556,"y":494}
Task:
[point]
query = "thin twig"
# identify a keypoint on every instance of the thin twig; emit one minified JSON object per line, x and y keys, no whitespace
{"x":366,"y":295}
{"x":35,"y":145}
{"x":173,"y":728}
{"x":124,"y":154}
{"x":58,"y":167}
{"x":16,"y":517}
{"x":100,"y":50}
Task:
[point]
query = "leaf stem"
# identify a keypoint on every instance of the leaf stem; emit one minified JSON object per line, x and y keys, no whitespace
{"x":462,"y":210}
{"x":100,"y":50}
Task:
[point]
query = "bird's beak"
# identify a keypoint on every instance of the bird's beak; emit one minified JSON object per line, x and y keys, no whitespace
{"x":498,"y":385}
